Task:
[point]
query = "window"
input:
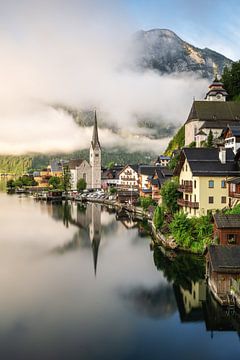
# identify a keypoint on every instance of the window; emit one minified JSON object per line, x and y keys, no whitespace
{"x":195,"y":184}
{"x":223,"y":199}
{"x":186,"y":167}
{"x":84,"y":176}
{"x":210,"y":200}
{"x":211,"y":184}
{"x":231,"y":238}
{"x":223,"y":184}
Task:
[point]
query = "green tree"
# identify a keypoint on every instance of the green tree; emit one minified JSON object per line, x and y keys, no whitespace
{"x":66,"y":179}
{"x":81,"y":185}
{"x":210,"y":139}
{"x":145,"y":202}
{"x":55,"y":182}
{"x":11,"y":184}
{"x":158,"y":217}
{"x":231,"y":80}
{"x":113,"y":190}
{"x":170,"y":195}
{"x":110,"y":165}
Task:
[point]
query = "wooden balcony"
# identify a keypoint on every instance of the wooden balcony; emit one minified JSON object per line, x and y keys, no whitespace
{"x":185,"y":188}
{"x":234,"y":194}
{"x":186,"y":203}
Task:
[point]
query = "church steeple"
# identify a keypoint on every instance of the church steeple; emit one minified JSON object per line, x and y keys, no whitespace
{"x":95,"y":139}
{"x":95,"y":156}
{"x":216,"y":91}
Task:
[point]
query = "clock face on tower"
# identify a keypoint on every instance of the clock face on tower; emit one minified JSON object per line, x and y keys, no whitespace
{"x":218,"y":96}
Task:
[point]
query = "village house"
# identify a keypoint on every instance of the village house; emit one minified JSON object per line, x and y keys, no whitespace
{"x":222,"y":268}
{"x":203,"y":173}
{"x":227,"y":228}
{"x":128,"y":177}
{"x":161,"y":175}
{"x":234,"y":191}
{"x":231,"y":136}
{"x":145,"y":173}
{"x":212,"y":114}
{"x":162,"y":160}
{"x":110,"y":177}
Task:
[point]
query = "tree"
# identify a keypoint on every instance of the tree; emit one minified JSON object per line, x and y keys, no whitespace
{"x":170,"y":195}
{"x":145,"y":202}
{"x":66,"y":179}
{"x":110,"y":165}
{"x":231,"y":80}
{"x":158,"y":217}
{"x":11,"y":184}
{"x":81,"y":185}
{"x":113,"y":190}
{"x":54,"y":182}
{"x":210,"y":139}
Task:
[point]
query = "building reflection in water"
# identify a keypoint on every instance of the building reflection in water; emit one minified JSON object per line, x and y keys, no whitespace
{"x":194,"y":301}
{"x":87,"y":220}
{"x":184,"y":288}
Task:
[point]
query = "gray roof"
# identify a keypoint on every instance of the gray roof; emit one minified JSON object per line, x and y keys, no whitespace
{"x":146,"y":169}
{"x":227,"y":221}
{"x":235,"y":180}
{"x":205,"y":162}
{"x":225,"y":258}
{"x":74,"y":163}
{"x":214,"y":110}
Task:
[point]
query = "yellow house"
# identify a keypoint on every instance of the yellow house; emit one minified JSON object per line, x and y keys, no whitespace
{"x":203,"y":173}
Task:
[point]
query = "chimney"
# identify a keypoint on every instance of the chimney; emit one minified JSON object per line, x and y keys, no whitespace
{"x":222,"y":155}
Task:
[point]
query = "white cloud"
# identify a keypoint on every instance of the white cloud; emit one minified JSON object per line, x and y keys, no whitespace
{"x":73,"y":53}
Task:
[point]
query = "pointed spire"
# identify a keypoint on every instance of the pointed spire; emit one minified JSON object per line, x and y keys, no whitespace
{"x":95,"y":139}
{"x":95,"y":247}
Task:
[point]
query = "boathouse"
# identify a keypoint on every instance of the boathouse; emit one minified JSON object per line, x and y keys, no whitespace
{"x":227,"y":228}
{"x":223,"y":266}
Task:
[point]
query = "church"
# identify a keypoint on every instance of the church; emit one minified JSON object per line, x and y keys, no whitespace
{"x":214,"y":113}
{"x":89,"y":171}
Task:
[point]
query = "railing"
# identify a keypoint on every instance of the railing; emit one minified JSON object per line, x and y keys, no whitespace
{"x":234,"y":194}
{"x":190,"y":204}
{"x":185,"y":188}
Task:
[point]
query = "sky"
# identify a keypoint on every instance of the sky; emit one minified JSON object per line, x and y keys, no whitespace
{"x":74,"y":53}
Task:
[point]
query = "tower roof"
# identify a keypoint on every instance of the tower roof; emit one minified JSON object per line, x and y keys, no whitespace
{"x":217,"y":87}
{"x":95,"y":139}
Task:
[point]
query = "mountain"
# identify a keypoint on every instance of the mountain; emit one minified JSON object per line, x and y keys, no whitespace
{"x":166,"y":52}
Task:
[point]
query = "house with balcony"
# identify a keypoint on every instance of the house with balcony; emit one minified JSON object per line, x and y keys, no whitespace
{"x":231,"y":137}
{"x":203,"y":175}
{"x":128,"y":178}
{"x":145,"y":173}
{"x":234,"y":191}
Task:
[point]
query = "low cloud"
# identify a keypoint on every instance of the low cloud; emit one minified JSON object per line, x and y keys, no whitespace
{"x":77,"y":55}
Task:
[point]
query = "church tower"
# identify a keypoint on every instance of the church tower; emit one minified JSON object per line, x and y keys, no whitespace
{"x":216,"y":91}
{"x":95,"y":157}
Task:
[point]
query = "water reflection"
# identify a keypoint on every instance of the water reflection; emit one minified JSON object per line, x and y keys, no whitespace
{"x":52,"y":306}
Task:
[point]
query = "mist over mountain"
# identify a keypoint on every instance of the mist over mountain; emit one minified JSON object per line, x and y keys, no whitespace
{"x":166,"y":52}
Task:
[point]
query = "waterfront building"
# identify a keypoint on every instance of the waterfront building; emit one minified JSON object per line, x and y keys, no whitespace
{"x":222,"y":268}
{"x":128,"y":177}
{"x":110,"y":177}
{"x":203,"y":173}
{"x":145,"y":173}
{"x":227,"y":228}
{"x":213,"y":113}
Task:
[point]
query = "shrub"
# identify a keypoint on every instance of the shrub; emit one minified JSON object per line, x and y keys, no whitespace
{"x":158,"y":217}
{"x":170,"y":195}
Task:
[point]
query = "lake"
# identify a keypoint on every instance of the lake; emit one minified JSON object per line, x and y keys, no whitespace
{"x":78,"y":284}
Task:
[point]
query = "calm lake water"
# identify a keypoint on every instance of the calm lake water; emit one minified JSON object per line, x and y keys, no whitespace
{"x":78,"y":284}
